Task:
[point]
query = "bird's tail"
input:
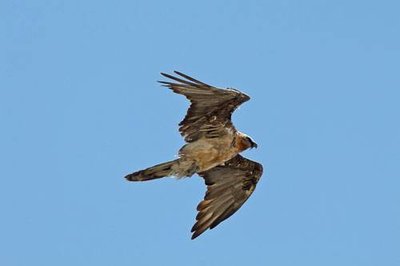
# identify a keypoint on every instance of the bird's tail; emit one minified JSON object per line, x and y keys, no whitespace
{"x":154,"y":172}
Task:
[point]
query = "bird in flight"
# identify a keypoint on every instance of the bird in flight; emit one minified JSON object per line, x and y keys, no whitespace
{"x":212,"y":151}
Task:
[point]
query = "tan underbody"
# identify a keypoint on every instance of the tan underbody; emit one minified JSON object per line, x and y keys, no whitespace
{"x":207,"y":153}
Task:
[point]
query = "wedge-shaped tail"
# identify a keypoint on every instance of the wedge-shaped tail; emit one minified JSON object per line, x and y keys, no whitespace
{"x":154,"y":172}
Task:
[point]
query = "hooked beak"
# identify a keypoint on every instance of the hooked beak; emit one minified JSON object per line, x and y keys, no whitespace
{"x":254,"y":145}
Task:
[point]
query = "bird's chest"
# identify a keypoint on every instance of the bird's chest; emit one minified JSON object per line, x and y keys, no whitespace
{"x":209,"y":153}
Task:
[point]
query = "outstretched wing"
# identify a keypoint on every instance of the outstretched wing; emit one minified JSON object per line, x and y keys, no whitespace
{"x":211,"y":108}
{"x":228,"y":187}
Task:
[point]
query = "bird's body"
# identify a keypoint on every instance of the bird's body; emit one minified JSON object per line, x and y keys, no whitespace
{"x":212,"y":151}
{"x":207,"y":153}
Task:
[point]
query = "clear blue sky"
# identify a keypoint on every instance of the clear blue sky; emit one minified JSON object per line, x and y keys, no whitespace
{"x":80,"y":108}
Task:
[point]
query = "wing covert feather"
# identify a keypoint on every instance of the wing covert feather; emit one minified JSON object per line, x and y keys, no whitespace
{"x":228,"y":188}
{"x":211,"y":108}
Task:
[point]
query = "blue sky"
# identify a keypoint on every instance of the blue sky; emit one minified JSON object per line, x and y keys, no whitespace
{"x":80,"y":108}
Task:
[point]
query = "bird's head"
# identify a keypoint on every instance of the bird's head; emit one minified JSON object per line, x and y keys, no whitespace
{"x":250,"y":142}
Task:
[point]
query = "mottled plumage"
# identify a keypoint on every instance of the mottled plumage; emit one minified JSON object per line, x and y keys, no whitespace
{"x":209,"y":114}
{"x":212,"y":151}
{"x":228,"y":187}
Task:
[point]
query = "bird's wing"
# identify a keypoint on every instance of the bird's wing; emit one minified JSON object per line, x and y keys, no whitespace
{"x":228,"y":187}
{"x":209,"y":114}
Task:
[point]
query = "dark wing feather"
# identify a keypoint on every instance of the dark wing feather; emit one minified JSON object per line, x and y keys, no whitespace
{"x":228,"y":187}
{"x":211,"y":108}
